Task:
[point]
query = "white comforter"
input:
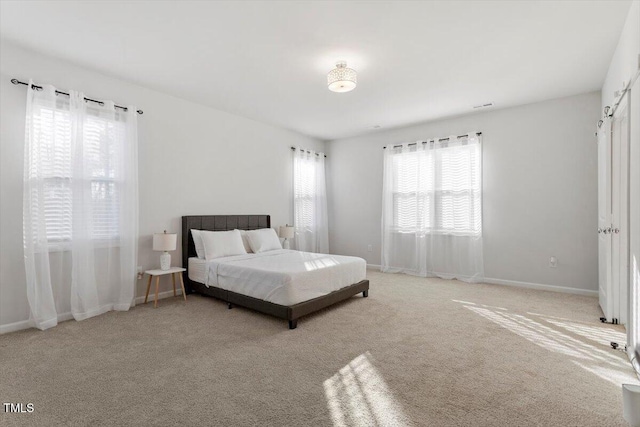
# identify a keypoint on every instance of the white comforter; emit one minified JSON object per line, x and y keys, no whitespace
{"x":284,"y":276}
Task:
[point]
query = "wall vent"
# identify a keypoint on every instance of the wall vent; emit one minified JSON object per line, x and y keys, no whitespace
{"x":483,"y":105}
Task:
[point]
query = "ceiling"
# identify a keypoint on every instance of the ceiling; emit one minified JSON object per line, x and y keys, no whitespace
{"x":268,"y":61}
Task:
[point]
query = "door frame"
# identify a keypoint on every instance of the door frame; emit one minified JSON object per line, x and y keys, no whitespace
{"x":620,"y":139}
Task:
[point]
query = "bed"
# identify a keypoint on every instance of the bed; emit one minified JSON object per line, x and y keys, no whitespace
{"x":282,"y":283}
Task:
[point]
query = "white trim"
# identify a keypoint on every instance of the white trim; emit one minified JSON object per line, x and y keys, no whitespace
{"x":26,"y":324}
{"x":161,"y":295}
{"x":16,"y":326}
{"x":541,"y":287}
{"x":528,"y":285}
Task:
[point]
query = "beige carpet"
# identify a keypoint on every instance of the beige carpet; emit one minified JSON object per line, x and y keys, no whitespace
{"x":416,"y":352}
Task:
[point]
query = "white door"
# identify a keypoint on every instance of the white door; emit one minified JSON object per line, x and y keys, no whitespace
{"x":620,"y":211}
{"x":604,"y":219}
{"x":633,"y":326}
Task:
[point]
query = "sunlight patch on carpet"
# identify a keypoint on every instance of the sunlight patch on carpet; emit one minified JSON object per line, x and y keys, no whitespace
{"x":600,"y":335}
{"x":616,"y":377}
{"x":600,"y":361}
{"x":357,"y":395}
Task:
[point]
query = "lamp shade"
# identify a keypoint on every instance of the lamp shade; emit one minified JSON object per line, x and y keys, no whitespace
{"x":164,"y":241}
{"x":286,"y":231}
{"x":341,"y":78}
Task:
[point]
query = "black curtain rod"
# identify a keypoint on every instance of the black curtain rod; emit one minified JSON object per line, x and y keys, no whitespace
{"x":441,"y":139}
{"x":58,"y":92}
{"x":307,"y":151}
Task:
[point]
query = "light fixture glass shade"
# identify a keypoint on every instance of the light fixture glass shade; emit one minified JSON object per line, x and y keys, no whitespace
{"x":341,"y":78}
{"x":164,"y":241}
{"x":286,"y":231}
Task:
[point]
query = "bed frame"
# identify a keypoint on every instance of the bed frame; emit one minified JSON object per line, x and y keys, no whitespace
{"x":253,"y":222}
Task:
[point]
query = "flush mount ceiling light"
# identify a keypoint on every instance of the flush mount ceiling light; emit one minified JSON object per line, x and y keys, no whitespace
{"x":341,"y":78}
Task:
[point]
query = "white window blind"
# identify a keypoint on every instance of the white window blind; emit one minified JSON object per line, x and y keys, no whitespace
{"x":51,"y":167}
{"x":305,"y":193}
{"x":438,"y":189}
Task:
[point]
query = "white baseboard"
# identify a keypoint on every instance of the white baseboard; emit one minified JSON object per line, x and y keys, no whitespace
{"x":528,"y":285}
{"x":541,"y":287}
{"x":16,"y":326}
{"x":26,"y":324}
{"x":161,"y":295}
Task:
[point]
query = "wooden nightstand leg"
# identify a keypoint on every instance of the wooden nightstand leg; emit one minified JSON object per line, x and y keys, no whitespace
{"x":173,"y":278}
{"x":155,"y":304}
{"x":184,"y":294}
{"x":146,"y":296}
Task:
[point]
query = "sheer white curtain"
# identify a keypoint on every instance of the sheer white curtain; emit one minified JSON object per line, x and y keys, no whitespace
{"x":80,"y":206}
{"x":310,"y":202}
{"x":432,"y":209}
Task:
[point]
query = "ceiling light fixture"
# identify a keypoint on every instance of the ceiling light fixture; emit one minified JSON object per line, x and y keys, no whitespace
{"x":341,"y":78}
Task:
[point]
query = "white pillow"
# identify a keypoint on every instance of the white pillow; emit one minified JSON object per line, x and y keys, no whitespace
{"x":245,"y":241}
{"x":197,"y":241}
{"x":263,"y":240}
{"x":222,"y":243}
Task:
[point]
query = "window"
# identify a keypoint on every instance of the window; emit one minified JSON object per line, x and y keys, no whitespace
{"x":437,"y":190}
{"x":310,"y":202}
{"x":52,"y":167}
{"x":305,"y":193}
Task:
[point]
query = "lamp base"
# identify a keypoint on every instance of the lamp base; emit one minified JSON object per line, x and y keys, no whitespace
{"x":285,"y":244}
{"x":165,"y":261}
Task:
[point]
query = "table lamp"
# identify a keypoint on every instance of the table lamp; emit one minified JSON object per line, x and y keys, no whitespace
{"x":286,"y":232}
{"x":165,"y":242}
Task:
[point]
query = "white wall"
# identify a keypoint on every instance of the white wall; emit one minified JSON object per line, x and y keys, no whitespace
{"x":626,"y":59}
{"x":539,"y":189}
{"x":193,"y":160}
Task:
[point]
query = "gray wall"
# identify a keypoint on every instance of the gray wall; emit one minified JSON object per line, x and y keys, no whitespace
{"x":192,"y":160}
{"x":539,"y":189}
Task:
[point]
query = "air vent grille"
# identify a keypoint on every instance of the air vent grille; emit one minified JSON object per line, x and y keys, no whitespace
{"x":490,"y":104}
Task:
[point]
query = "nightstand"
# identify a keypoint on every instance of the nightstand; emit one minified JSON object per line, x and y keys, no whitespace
{"x":157,"y":273}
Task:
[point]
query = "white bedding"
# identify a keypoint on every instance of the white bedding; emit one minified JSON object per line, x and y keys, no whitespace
{"x":198,"y":270}
{"x":281,"y":276}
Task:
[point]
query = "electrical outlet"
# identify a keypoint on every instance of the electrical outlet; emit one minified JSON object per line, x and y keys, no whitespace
{"x":553,"y":262}
{"x":139,"y":270}
{"x":369,"y":248}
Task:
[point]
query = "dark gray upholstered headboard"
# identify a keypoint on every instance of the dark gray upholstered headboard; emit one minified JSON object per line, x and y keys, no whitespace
{"x":217,"y":223}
